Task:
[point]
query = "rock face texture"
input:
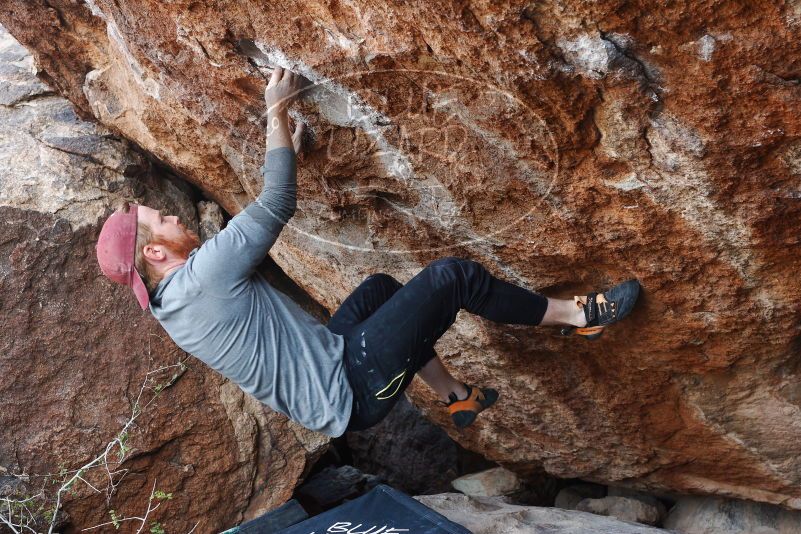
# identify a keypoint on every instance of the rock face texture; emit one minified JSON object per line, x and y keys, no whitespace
{"x":704,"y":515}
{"x":77,"y":349}
{"x":566,"y":145}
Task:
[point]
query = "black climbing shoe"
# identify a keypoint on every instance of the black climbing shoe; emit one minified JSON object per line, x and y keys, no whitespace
{"x":603,"y":309}
{"x":464,"y":412}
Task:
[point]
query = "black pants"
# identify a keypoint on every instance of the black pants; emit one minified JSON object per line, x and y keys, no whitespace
{"x":390,"y":329}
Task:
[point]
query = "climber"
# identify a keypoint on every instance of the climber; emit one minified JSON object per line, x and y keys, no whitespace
{"x":345,"y":375}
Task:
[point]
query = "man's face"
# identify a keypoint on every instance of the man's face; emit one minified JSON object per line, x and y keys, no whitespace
{"x":166,"y":226}
{"x":168,"y":231}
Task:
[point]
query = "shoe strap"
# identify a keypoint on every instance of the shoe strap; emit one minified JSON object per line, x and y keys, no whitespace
{"x":598,"y":310}
{"x":607,"y":310}
{"x":471,"y":404}
{"x":453,"y":398}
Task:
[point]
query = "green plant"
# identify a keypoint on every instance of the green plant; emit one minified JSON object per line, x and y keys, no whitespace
{"x":28,"y":513}
{"x":114,"y":519}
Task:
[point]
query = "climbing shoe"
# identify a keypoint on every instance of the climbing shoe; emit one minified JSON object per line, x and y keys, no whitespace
{"x":464,"y":412}
{"x":603,"y":309}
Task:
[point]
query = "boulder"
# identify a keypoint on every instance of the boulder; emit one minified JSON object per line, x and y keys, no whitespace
{"x":625,"y":509}
{"x":569,"y":497}
{"x":493,"y":515}
{"x":80,"y":360}
{"x":490,"y":483}
{"x":704,"y":515}
{"x":210,"y":219}
{"x":566,"y":145}
{"x":652,"y":500}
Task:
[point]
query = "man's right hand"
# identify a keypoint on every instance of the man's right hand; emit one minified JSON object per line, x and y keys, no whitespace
{"x":282,"y":89}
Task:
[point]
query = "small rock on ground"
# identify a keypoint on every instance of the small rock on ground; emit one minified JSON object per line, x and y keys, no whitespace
{"x":495,"y":481}
{"x":623,"y":508}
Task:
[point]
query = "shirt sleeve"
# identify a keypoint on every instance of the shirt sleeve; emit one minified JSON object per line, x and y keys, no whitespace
{"x":232,"y":255}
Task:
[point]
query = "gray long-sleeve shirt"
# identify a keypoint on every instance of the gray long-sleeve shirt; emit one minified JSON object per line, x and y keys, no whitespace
{"x":217,"y":308}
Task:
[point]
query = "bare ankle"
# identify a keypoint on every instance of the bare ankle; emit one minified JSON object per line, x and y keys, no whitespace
{"x":579,"y":319}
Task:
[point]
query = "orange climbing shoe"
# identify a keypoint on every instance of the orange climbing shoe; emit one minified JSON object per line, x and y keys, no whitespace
{"x":464,"y":412}
{"x":603,"y":309}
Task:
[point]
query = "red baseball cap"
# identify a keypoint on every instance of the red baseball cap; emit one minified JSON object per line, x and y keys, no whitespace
{"x":116,"y":252}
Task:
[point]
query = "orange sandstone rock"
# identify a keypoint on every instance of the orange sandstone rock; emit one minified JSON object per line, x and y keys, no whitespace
{"x":565,"y":145}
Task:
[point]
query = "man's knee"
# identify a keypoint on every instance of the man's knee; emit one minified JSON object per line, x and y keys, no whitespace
{"x":383,"y":279}
{"x":469,"y":279}
{"x":447,"y":261}
{"x":454,"y":268}
{"x":454,"y":263}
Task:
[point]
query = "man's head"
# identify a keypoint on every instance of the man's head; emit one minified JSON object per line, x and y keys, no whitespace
{"x":138,"y":246}
{"x":162,"y":243}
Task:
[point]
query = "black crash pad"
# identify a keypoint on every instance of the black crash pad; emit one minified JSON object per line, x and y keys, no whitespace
{"x":381,"y":511}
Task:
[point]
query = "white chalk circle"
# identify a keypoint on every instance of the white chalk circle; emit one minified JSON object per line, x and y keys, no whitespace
{"x":426,"y":176}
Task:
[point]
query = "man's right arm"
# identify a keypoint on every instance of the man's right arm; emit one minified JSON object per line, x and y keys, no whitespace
{"x":277,"y":202}
{"x":233,"y":254}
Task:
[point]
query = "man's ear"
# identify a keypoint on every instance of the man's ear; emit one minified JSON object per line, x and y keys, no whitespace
{"x":154,"y":253}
